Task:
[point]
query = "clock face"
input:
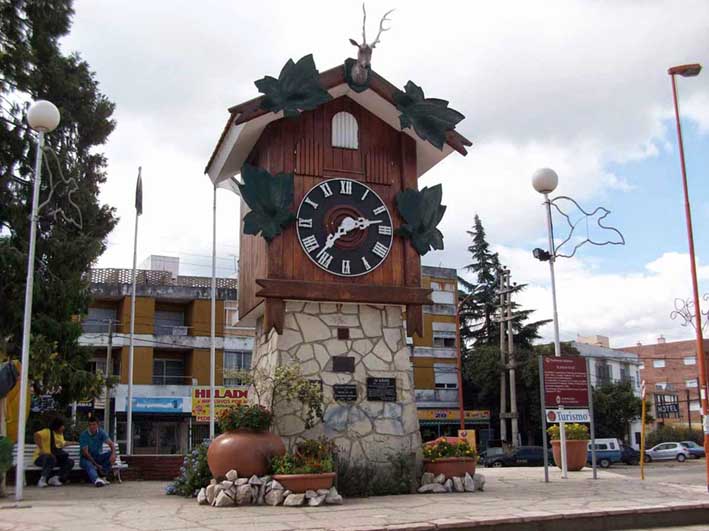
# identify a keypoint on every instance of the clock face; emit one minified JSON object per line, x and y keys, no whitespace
{"x":344,"y":227}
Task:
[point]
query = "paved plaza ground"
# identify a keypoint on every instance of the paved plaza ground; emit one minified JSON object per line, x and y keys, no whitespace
{"x":514,"y":498}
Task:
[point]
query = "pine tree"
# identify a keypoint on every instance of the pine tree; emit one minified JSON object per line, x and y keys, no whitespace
{"x":32,"y":66}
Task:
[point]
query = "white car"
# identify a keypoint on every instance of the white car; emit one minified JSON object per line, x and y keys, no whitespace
{"x":667,"y":451}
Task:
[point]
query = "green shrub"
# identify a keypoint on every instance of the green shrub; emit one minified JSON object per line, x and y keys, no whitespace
{"x":574,"y":432}
{"x":194,"y":473}
{"x":670,"y":433}
{"x":362,"y":478}
{"x":246,"y":417}
{"x":310,"y":456}
{"x":441,"y":448}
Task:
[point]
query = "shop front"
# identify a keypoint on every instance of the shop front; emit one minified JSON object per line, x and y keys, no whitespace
{"x":436,"y":423}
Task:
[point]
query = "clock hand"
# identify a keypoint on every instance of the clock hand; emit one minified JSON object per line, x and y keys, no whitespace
{"x":346,"y":225}
{"x":362,"y":223}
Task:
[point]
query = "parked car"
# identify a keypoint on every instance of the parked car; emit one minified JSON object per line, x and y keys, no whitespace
{"x":522,"y":456}
{"x":695,"y":451}
{"x":629,"y":455}
{"x":667,"y":451}
{"x":607,"y":452}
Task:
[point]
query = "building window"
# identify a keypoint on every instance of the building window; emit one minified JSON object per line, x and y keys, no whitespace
{"x":692,"y":383}
{"x":345,"y":131}
{"x":641,"y":366}
{"x":231,"y":316}
{"x":96,"y":321}
{"x":235,"y":361}
{"x":658,"y":364}
{"x":694,"y":405}
{"x":603,"y":372}
{"x":443,"y":339}
{"x":690,"y":360}
{"x":168,"y":372}
{"x":443,"y":297}
{"x":169,"y":323}
{"x":445,"y":375}
{"x":661,"y":386}
{"x":98,"y":365}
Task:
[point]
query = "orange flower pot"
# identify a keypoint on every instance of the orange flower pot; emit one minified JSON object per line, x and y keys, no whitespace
{"x":246,"y":452}
{"x":576,"y":454}
{"x":302,"y":482}
{"x":450,"y":466}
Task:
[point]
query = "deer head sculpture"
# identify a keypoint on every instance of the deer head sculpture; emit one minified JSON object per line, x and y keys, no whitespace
{"x":360,"y":70}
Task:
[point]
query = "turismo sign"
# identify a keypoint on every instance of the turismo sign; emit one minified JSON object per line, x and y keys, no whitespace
{"x":224,"y":398}
{"x":568,"y":415}
{"x":565,"y":382}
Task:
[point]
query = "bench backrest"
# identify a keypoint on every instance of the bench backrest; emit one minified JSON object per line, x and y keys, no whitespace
{"x":74,"y":453}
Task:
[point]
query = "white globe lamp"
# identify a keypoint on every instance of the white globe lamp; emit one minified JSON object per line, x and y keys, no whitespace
{"x":43,"y":116}
{"x":545,"y":180}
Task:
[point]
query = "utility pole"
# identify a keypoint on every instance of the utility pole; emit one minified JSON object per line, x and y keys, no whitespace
{"x":503,"y":356}
{"x":689,"y":411}
{"x":511,"y":365}
{"x":109,"y":367}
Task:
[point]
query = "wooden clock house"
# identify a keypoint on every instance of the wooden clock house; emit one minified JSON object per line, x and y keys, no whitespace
{"x":337,"y":290}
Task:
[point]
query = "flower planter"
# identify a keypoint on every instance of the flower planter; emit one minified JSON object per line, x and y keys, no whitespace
{"x":450,"y":466}
{"x":247,"y":452}
{"x":576,"y":454}
{"x":302,"y":482}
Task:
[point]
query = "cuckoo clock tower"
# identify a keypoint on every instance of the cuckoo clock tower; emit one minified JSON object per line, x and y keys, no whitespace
{"x":333,"y":226}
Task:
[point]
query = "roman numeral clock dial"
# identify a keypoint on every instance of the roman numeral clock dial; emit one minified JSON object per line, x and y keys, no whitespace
{"x":344,"y":227}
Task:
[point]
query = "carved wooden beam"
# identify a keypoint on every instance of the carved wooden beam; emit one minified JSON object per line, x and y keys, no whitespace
{"x":274,"y":315}
{"x":414,"y":320}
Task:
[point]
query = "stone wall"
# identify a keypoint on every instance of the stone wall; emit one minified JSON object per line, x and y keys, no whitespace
{"x":363,"y":429}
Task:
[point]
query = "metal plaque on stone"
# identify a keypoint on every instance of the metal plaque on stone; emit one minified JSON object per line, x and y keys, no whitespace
{"x":381,"y":389}
{"x":345,"y":392}
{"x":343,"y":364}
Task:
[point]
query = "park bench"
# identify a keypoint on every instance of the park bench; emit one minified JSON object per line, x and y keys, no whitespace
{"x":73,"y":452}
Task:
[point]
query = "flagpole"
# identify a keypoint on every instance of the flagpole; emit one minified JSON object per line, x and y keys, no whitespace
{"x":129,"y":413}
{"x":212,"y":339}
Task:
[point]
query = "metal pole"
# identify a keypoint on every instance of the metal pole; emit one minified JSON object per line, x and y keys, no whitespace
{"x":503,"y":358}
{"x":642,"y":433}
{"x":593,"y":427}
{"x":109,"y":362}
{"x":544,"y":419}
{"x":129,"y":407}
{"x":513,"y":384}
{"x":27,"y":323}
{"x":689,"y":412}
{"x":557,"y":344}
{"x":461,"y":408}
{"x":695,"y":289}
{"x":213,"y":326}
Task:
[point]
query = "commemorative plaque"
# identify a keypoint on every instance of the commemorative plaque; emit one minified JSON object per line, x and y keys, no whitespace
{"x":344,"y":392}
{"x":381,"y":389}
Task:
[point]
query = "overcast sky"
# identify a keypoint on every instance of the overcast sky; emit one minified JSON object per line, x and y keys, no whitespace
{"x":577,"y":86}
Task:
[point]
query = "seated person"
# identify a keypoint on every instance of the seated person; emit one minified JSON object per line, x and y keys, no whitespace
{"x":49,"y":454}
{"x":93,"y":459}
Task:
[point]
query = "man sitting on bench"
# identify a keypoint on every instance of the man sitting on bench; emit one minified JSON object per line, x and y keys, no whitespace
{"x":49,"y":454}
{"x":93,"y":459}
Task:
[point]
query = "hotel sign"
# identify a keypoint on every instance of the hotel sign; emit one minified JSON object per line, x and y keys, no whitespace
{"x":224,"y":398}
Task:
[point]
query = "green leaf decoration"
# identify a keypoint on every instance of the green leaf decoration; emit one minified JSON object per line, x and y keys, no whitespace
{"x":422,"y":211}
{"x":269,"y":197}
{"x":431,"y":118}
{"x":296,"y":89}
{"x":349,"y":63}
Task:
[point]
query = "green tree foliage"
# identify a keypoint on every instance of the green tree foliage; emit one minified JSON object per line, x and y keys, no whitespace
{"x":672,"y":433}
{"x":32,"y":66}
{"x":614,"y":407}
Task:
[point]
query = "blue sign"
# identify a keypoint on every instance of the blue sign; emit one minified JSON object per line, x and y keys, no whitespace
{"x":157,"y":404}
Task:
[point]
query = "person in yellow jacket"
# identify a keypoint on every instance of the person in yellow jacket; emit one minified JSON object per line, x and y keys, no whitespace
{"x":50,"y":454}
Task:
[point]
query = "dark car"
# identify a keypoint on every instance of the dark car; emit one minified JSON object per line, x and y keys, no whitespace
{"x":629,"y":456}
{"x":522,"y":456}
{"x":695,"y":451}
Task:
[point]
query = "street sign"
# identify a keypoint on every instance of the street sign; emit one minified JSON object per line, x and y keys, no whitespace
{"x":568,"y":415}
{"x":565,"y":382}
{"x":667,"y":406}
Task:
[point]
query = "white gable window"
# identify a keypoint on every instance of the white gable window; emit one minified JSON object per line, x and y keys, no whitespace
{"x":345,"y":131}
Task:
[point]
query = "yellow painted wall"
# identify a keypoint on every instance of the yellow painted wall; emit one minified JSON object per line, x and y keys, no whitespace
{"x":197,"y":366}
{"x":198,"y":317}
{"x":142,"y":364}
{"x":423,"y":371}
{"x":144,"y":315}
{"x":428,"y":320}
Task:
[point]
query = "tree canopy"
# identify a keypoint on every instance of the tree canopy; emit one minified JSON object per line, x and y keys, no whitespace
{"x":614,"y":407}
{"x":33,"y":66}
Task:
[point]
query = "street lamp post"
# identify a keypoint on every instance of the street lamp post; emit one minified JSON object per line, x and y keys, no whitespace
{"x":692,"y":70}
{"x":545,"y":181}
{"x":43,"y":117}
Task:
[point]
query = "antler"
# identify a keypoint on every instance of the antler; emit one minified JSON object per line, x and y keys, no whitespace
{"x":381,"y":26}
{"x":364,"y":24}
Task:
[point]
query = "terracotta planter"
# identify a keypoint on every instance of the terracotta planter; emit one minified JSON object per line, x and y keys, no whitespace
{"x":303,"y":482}
{"x":576,"y":454}
{"x":450,"y":466}
{"x":246,"y":452}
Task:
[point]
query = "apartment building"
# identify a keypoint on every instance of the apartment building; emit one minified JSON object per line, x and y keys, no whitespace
{"x":434,"y":359}
{"x":171,"y":349}
{"x":670,"y":371}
